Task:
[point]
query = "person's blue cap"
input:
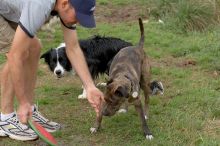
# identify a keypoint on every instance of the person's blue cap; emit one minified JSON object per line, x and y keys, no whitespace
{"x":84,"y":12}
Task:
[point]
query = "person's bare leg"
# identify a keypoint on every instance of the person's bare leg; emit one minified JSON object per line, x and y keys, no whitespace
{"x":7,"y":91}
{"x":34,"y":56}
{"x":32,"y":66}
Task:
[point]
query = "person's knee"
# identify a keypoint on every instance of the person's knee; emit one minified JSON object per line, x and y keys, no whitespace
{"x":25,"y":55}
{"x":17,"y":55}
{"x":36,"y":48}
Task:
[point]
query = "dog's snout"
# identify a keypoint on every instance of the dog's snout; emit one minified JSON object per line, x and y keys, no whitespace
{"x":58,"y":72}
{"x":106,"y":113}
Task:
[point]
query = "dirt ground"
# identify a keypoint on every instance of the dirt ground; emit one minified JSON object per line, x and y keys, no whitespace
{"x":112,"y":14}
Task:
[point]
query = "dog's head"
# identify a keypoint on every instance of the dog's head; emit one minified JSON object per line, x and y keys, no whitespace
{"x":117,"y":92}
{"x":57,"y":60}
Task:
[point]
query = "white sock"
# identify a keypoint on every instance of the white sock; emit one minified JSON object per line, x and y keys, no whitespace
{"x":6,"y":116}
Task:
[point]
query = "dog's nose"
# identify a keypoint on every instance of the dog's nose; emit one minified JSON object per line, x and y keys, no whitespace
{"x":105,"y":113}
{"x":58,"y":72}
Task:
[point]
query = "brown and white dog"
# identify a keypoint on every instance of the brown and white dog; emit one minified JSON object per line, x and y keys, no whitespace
{"x":129,"y":72}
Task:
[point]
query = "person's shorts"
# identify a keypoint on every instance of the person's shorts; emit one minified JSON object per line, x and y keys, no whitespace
{"x":7,"y":31}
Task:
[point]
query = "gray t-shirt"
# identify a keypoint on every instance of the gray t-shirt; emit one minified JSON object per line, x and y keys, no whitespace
{"x":29,"y":14}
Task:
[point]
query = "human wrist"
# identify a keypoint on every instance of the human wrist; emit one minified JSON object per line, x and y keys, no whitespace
{"x":89,"y":85}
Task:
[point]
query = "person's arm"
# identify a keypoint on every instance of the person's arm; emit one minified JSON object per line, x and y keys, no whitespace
{"x":76,"y":56}
{"x":77,"y":59}
{"x":16,"y":58}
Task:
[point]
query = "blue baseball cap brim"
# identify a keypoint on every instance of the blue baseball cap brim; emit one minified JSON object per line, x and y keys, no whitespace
{"x":86,"y":20}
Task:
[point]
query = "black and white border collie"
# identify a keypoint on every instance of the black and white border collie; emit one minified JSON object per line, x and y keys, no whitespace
{"x":98,"y":51}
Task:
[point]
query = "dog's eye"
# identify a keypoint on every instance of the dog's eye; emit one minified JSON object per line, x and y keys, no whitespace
{"x":60,"y":59}
{"x":119,"y":94}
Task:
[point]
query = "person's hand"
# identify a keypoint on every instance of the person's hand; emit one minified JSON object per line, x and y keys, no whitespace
{"x":24,"y":112}
{"x":95,"y":97}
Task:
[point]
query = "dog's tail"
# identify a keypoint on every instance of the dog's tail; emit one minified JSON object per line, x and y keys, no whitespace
{"x":141,"y":42}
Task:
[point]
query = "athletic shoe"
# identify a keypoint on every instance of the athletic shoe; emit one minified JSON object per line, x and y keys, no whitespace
{"x":13,"y":128}
{"x":48,"y":125}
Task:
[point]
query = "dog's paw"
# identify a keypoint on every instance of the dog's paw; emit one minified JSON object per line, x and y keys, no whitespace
{"x":146,"y":117}
{"x":122,"y":111}
{"x":93,"y":130}
{"x":149,"y":137}
{"x":81,"y":97}
{"x":135,"y":94}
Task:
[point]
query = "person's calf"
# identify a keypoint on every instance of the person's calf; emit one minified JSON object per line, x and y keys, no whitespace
{"x":7,"y":91}
{"x":32,"y":67}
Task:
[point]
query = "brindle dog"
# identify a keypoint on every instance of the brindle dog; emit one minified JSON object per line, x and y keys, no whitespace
{"x":129,"y":71}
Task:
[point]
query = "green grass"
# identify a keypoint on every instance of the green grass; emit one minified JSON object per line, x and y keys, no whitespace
{"x":121,"y":3}
{"x":187,"y":114}
{"x":186,"y":15}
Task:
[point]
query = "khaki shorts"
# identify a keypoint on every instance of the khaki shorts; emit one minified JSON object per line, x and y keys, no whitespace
{"x":7,"y":31}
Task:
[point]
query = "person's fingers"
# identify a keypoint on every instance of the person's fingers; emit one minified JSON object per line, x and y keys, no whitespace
{"x":99,"y":94}
{"x":24,"y":113}
{"x":96,"y":107}
{"x":99,"y":105}
{"x":97,"y":114}
{"x":96,"y":110}
{"x":95,"y":100}
{"x":102,"y":96}
{"x":30,"y":114}
{"x":100,"y":100}
{"x":23,"y":118}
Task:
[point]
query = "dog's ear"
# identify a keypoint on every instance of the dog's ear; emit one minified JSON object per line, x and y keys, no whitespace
{"x":121,"y":92}
{"x":109,"y":81}
{"x":109,"y":86}
{"x":43,"y":55}
{"x":46,"y":56}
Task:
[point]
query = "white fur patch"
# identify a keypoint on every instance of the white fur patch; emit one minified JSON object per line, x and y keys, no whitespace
{"x":149,"y":137}
{"x":93,"y":130}
{"x":122,"y":111}
{"x":161,"y":85}
{"x":61,"y":45}
{"x":83,"y":95}
{"x":145,"y":117}
{"x":135,"y":94}
{"x":59,"y":68}
{"x":101,"y":84}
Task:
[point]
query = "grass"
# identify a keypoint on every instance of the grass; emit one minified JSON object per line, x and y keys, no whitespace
{"x":186,"y":15}
{"x":187,"y":114}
